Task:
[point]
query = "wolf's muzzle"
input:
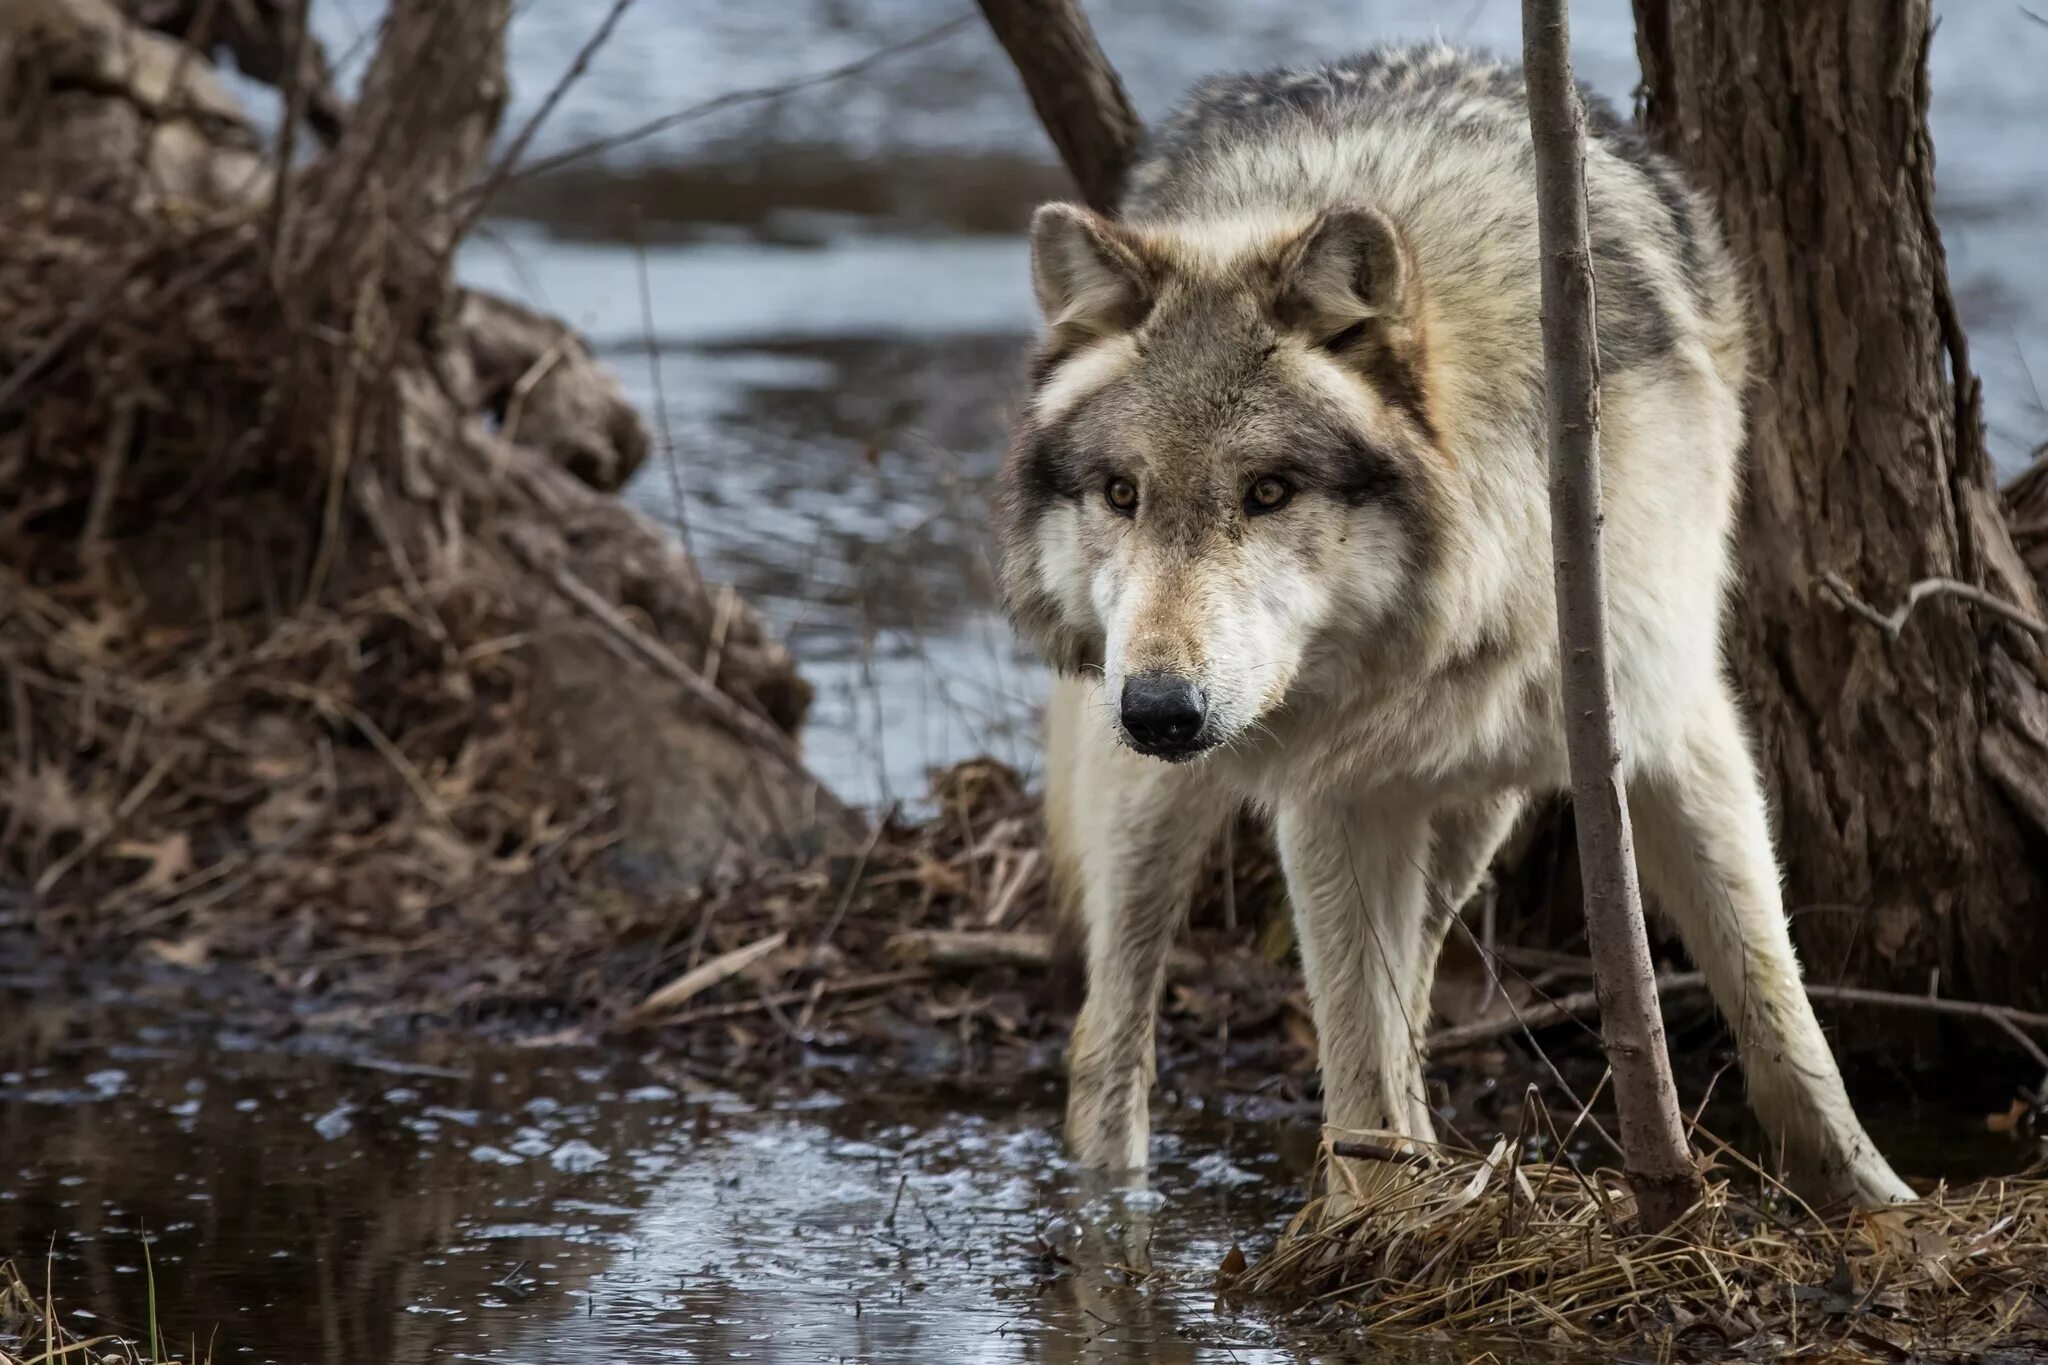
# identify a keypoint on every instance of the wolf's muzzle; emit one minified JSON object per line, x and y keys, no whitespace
{"x":1163,"y":715}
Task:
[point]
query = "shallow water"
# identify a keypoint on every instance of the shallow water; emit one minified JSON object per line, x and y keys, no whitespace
{"x":360,"y":1203}
{"x":570,"y":1207}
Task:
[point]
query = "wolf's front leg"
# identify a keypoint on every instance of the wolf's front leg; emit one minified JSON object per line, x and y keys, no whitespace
{"x":1356,"y":876}
{"x":1134,"y":832}
{"x":1705,"y":850}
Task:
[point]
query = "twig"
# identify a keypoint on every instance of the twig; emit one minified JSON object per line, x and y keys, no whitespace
{"x":721,"y":623}
{"x":743,"y":724}
{"x":971,"y":949}
{"x":1894,"y":625}
{"x":120,"y":435}
{"x":523,"y":387}
{"x":666,"y":999}
{"x":705,"y":108}
{"x":488,"y":188}
{"x":129,"y":805}
{"x":89,"y":311}
{"x":871,"y":981}
{"x":1655,"y":1156}
{"x":294,"y":91}
{"x":1011,"y":892}
{"x":2004,"y":1016}
{"x":1576,"y":1005}
{"x":664,"y":431}
{"x":860,"y":867}
{"x":1374,"y":1151}
{"x":1584,"y":1004}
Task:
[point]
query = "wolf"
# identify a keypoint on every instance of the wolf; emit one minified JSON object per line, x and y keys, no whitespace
{"x":1275,"y":510}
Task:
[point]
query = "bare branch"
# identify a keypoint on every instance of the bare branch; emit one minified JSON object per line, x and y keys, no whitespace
{"x":705,"y":108}
{"x":1894,"y":624}
{"x":1075,"y":91}
{"x":1659,"y":1167}
{"x":1671,"y":986}
{"x":579,"y":64}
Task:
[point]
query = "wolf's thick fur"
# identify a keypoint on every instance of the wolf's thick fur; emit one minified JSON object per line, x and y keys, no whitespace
{"x":1283,"y":464}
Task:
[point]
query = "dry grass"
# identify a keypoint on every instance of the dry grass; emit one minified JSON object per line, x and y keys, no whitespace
{"x":1499,"y":1246}
{"x":32,"y":1331}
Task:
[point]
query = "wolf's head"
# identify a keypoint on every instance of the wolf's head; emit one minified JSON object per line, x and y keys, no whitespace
{"x":1226,"y":467}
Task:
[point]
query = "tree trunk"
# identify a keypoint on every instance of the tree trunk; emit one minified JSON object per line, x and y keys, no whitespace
{"x":1074,"y":90}
{"x":1901,"y":769}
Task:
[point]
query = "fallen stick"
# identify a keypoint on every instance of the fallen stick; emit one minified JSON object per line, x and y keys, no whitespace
{"x":2012,"y":1021}
{"x":666,"y":999}
{"x":1576,"y":1005}
{"x":871,"y":981}
{"x":971,"y":949}
{"x":1011,"y":891}
{"x":741,"y":723}
{"x":1584,"y":1004}
{"x":1375,"y":1151}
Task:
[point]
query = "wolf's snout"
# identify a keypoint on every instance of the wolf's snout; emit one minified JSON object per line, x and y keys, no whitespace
{"x":1163,"y":715}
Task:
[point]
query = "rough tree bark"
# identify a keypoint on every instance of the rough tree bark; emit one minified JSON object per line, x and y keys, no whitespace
{"x":1907,"y":775}
{"x":1075,"y":91}
{"x":1659,"y":1168}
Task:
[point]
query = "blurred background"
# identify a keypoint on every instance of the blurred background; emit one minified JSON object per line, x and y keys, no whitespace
{"x":817,"y":291}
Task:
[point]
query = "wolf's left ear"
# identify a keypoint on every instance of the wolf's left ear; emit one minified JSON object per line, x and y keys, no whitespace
{"x":1350,"y":266}
{"x":1086,"y":274}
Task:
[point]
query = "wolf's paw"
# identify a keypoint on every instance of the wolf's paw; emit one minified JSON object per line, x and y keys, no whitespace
{"x":1865,"y":1181}
{"x":1109,"y":1120}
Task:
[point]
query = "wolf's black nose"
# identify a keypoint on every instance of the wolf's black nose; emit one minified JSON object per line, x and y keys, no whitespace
{"x":1163,"y":714}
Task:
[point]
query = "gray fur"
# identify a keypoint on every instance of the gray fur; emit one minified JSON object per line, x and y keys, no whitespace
{"x":1463,"y":100}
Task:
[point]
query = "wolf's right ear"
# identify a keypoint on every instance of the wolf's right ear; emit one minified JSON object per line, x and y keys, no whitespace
{"x":1087,"y":275}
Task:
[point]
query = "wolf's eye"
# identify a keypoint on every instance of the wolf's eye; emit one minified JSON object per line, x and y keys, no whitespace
{"x":1122,"y":495}
{"x":1269,"y":494}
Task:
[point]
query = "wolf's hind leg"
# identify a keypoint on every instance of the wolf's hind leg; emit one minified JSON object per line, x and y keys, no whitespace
{"x":1134,"y":833}
{"x":1704,"y":846}
{"x":1464,"y":837}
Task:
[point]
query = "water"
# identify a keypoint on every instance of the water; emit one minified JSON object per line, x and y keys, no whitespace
{"x":838,"y":295}
{"x":581,"y":1207}
{"x":330,"y":1201}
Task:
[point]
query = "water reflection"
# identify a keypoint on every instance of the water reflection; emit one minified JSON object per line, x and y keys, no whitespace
{"x":524,"y":1206}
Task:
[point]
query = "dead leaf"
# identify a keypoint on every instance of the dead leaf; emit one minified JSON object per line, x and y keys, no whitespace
{"x":190,"y":952}
{"x":280,"y":813}
{"x":445,"y":849}
{"x":92,"y":638}
{"x":48,"y":802}
{"x":169,"y":859}
{"x":2011,"y":1121}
